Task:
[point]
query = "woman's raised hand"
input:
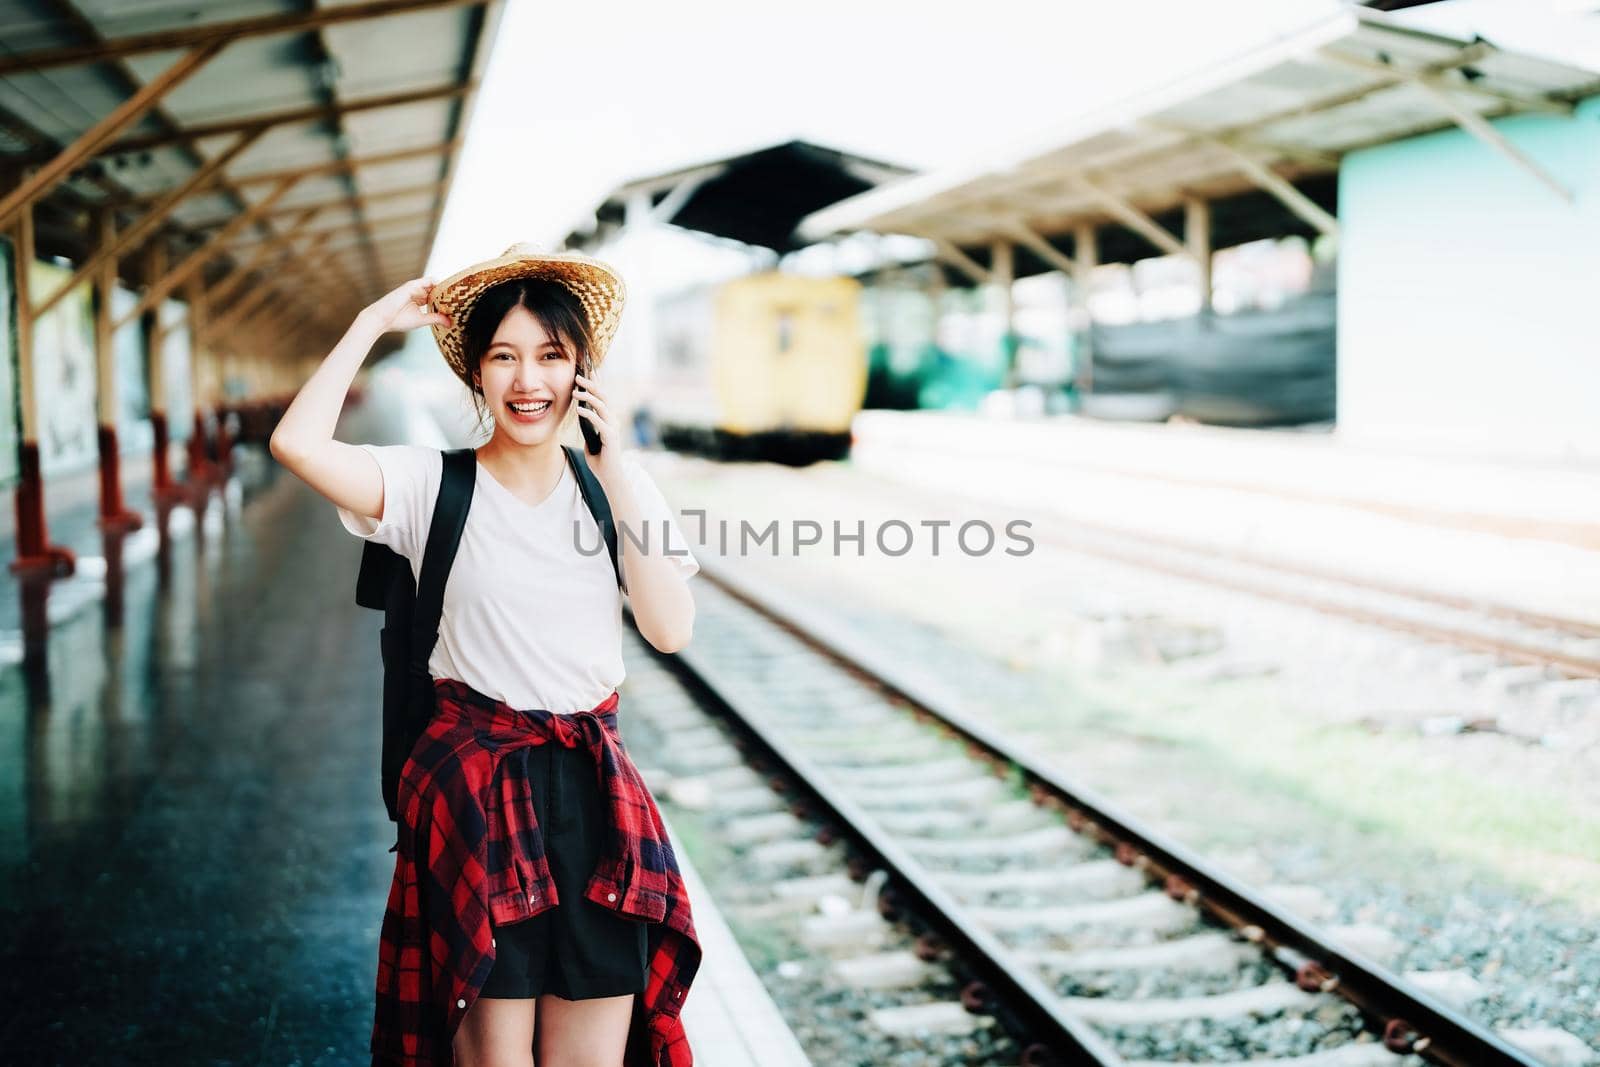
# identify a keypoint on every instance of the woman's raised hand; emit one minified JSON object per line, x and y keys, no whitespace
{"x":406,"y":308}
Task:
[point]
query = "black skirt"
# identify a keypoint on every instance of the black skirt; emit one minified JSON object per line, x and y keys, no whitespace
{"x":577,"y":949}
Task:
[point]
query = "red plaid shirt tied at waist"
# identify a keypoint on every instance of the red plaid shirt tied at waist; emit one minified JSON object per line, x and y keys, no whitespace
{"x":470,"y":850}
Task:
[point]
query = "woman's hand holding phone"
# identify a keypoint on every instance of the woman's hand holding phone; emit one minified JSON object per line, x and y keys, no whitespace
{"x":593,"y":418}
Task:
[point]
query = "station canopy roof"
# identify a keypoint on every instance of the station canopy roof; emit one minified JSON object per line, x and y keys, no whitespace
{"x":1259,"y":137}
{"x":755,"y":197}
{"x":294,"y":134}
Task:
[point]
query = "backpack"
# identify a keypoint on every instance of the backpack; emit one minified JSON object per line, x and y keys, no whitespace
{"x":411,"y":608}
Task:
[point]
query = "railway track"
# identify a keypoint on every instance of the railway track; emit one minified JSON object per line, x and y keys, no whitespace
{"x":1565,"y":647}
{"x":960,"y":884}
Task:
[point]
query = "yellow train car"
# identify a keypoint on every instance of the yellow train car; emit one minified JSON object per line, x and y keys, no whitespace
{"x":768,"y":366}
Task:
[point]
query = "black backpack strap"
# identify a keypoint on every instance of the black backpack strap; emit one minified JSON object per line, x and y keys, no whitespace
{"x":456,"y":482}
{"x":595,"y":498}
{"x":377,"y":568}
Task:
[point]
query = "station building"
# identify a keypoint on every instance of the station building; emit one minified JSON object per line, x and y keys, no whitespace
{"x":1454,"y":181}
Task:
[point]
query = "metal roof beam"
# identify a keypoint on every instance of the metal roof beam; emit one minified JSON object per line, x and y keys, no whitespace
{"x":299,"y":259}
{"x":265,"y":318}
{"x":1440,"y":91}
{"x":365,"y":198}
{"x":1018,"y":185}
{"x":40,"y":148}
{"x":961,"y":230}
{"x":85,"y":27}
{"x":1039,"y":246}
{"x":682,"y":191}
{"x":1238,"y":135}
{"x":1299,"y":153}
{"x":313,"y":170}
{"x":658,"y":183}
{"x":341,"y":147}
{"x":238,"y":314}
{"x":95,"y":138}
{"x":1132,"y":217}
{"x":1390,"y":78}
{"x":1433,"y":77}
{"x":371,"y":287}
{"x":409,"y":219}
{"x":1235,"y":142}
{"x":240,"y":311}
{"x":961,"y":261}
{"x":337,"y":259}
{"x":336,"y":253}
{"x":215,"y":33}
{"x":1033,"y":203}
{"x":277,"y":310}
{"x":159,"y":288}
{"x":319,"y":113}
{"x":1479,"y":127}
{"x":278,"y":243}
{"x":1278,"y":186}
{"x":131,"y":237}
{"x":1311,"y":157}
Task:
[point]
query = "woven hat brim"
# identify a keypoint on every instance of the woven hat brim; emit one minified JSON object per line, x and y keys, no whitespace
{"x":597,"y":286}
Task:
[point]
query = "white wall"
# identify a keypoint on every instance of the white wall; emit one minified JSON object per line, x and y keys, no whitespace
{"x":1469,"y":292}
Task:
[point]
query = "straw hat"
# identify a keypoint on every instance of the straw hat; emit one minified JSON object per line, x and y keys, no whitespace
{"x":597,"y":286}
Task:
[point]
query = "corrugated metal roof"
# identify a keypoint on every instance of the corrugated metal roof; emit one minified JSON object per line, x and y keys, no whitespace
{"x":1292,"y":107}
{"x":755,"y":197}
{"x":392,"y":79}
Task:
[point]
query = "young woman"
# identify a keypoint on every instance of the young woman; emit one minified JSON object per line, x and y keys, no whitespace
{"x":531,"y":626}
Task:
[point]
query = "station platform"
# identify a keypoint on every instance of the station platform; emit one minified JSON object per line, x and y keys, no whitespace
{"x":1518,"y":532}
{"x":193,"y":846}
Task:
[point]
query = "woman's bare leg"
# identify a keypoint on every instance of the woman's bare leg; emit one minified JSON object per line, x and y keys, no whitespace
{"x":496,"y":1032}
{"x":583,"y":1033}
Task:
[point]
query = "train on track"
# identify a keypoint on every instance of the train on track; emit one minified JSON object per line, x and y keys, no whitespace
{"x":768,"y":366}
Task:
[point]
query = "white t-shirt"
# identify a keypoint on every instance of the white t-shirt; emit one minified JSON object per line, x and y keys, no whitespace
{"x":528,"y":618}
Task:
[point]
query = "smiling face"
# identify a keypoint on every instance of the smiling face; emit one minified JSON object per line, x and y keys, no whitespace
{"x":526,"y":375}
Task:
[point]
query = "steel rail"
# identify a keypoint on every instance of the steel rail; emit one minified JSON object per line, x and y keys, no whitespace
{"x":1409,"y":1019}
{"x":1053,"y":527}
{"x":1015,"y":993}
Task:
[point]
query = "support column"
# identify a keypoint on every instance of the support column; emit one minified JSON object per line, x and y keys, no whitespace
{"x":221,"y":406}
{"x":114,"y":512}
{"x":1086,"y":256}
{"x":244,"y":371}
{"x":934,"y":355}
{"x":162,"y":485}
{"x":201,"y":469}
{"x":1197,"y":238}
{"x":35,"y":553}
{"x":1004,"y":270}
{"x":256,"y":429}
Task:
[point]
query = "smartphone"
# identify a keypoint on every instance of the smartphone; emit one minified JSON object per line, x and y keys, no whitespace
{"x":591,"y":436}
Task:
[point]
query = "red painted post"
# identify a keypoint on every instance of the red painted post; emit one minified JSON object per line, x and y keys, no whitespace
{"x":35,"y":553}
{"x":160,"y":469}
{"x":200,"y":466}
{"x":201,"y":469}
{"x":114,"y":512}
{"x":224,"y":439}
{"x":162,"y":486}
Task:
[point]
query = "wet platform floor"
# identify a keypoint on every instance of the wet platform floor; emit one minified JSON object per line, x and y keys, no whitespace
{"x":192,"y":841}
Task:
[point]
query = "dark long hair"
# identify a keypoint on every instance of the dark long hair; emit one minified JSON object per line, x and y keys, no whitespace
{"x":550,"y":302}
